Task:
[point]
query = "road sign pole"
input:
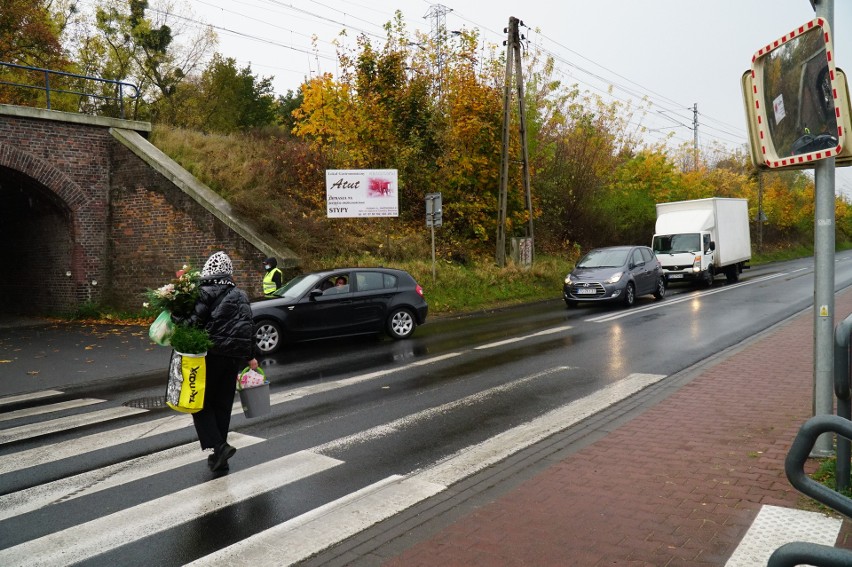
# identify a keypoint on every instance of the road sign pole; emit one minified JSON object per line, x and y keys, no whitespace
{"x":824,"y":226}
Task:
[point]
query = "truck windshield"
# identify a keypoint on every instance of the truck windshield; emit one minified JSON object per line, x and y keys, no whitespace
{"x":676,"y":243}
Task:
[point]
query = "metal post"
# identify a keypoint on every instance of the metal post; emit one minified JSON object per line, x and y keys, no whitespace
{"x":433,"y":252}
{"x":842,"y":335}
{"x":824,"y":226}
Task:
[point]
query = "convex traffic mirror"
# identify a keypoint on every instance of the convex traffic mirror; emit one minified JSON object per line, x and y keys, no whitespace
{"x":796,"y":101}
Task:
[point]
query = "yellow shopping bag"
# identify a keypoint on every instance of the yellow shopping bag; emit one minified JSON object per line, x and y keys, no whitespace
{"x":187,"y":379}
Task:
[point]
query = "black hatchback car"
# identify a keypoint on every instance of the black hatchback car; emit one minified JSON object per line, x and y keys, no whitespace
{"x":616,"y":273}
{"x":340,"y":302}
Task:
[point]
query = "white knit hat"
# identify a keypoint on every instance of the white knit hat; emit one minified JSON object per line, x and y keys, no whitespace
{"x":218,"y":264}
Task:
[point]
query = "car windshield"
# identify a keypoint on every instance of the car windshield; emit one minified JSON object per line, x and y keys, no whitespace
{"x":676,"y":243}
{"x":604,"y":259}
{"x":297,"y":286}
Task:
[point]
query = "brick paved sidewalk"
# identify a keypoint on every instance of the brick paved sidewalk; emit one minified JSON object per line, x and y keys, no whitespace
{"x":679,"y":485}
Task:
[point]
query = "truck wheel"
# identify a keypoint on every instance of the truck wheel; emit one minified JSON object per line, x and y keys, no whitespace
{"x":629,"y":295}
{"x":660,"y":289}
{"x":732,"y":273}
{"x":707,"y":277}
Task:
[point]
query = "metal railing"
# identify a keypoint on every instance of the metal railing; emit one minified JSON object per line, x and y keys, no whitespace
{"x":797,"y":553}
{"x":120,"y":88}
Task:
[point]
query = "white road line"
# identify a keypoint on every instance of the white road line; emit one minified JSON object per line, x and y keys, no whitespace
{"x":297,"y":393}
{"x":525,"y":337}
{"x":477,"y":457}
{"x":691,"y":297}
{"x":8,"y":400}
{"x":86,"y":540}
{"x":65,"y":423}
{"x":775,"y":526}
{"x":398,"y":424}
{"x":322,"y":527}
{"x":83,"y":484}
{"x":75,"y":447}
{"x":310,"y":533}
{"x":50,"y":408}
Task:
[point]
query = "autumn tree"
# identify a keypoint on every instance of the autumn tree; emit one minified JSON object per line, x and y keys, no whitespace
{"x":224,"y":99}
{"x":129,"y":42}
{"x":30,"y":36}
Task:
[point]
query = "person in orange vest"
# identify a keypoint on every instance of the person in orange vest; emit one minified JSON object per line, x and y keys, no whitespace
{"x":272,"y":279}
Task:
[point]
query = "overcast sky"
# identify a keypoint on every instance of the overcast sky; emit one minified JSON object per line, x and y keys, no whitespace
{"x":678,"y":53}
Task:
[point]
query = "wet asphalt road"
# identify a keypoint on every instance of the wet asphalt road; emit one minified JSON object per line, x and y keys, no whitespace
{"x":384,"y":408}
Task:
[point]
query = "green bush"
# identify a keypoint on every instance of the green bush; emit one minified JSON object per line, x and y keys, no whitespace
{"x":190,"y":340}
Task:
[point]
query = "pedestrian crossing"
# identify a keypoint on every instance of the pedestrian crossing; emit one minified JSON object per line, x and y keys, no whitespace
{"x":109,"y":524}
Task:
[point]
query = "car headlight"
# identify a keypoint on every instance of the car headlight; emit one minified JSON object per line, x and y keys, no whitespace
{"x":568,"y":279}
{"x":614,"y":277}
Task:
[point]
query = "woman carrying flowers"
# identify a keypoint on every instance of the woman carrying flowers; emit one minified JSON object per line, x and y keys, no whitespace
{"x":223,"y":310}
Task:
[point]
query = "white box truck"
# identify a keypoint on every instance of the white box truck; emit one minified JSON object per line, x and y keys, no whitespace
{"x":696,"y":240}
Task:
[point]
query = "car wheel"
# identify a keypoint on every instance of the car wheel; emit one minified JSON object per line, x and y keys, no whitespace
{"x":401,"y":324}
{"x":267,"y":335}
{"x":570,"y":304}
{"x":660,"y":290}
{"x":629,"y":295}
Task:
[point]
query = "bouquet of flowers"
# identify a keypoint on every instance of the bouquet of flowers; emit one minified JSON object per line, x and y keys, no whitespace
{"x":177,"y":298}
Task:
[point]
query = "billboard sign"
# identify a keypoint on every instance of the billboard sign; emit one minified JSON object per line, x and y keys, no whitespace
{"x":361,"y":193}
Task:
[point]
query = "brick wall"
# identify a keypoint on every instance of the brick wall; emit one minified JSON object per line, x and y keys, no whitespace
{"x":83,"y":219}
{"x":156,"y":228}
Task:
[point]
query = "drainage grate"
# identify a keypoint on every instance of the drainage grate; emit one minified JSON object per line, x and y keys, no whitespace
{"x":153,"y":402}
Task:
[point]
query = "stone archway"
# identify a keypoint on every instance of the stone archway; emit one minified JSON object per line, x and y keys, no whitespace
{"x":37,"y":229}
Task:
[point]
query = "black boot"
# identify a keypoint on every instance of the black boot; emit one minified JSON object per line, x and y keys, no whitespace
{"x":218,"y":461}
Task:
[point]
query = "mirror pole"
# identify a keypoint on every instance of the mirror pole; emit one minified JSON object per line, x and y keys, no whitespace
{"x":824,"y":227}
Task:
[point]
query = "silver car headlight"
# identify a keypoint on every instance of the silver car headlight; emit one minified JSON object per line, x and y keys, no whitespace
{"x":568,"y":279}
{"x":614,"y":278}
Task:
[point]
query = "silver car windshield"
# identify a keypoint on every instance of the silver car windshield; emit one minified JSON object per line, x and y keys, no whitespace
{"x":297,"y":286}
{"x":604,"y":259}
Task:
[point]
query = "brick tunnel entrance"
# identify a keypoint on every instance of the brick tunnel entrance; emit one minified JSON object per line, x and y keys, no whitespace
{"x":36,"y":254}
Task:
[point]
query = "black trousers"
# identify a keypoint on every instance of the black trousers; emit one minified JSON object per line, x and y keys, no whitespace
{"x":212,"y":422}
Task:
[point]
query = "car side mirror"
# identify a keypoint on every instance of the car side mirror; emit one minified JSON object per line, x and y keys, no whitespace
{"x":712,"y":246}
{"x":315,"y":293}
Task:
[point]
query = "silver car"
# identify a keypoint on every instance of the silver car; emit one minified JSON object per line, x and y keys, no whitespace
{"x":616,"y":273}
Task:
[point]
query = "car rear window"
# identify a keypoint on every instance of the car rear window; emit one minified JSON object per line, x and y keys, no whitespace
{"x":368,"y":281}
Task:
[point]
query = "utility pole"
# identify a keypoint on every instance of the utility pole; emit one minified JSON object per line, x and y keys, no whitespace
{"x":504,"y":152}
{"x":513,"y":59}
{"x":695,"y":136}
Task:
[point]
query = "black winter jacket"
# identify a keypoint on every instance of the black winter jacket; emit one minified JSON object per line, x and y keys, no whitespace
{"x":228,"y":321}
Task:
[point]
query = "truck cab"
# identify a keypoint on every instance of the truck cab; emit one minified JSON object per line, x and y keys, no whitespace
{"x":686,"y":256}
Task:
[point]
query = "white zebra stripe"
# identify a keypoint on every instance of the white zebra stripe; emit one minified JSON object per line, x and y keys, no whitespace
{"x":65,"y":423}
{"x":87,"y":483}
{"x":86,"y":540}
{"x":50,"y":408}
